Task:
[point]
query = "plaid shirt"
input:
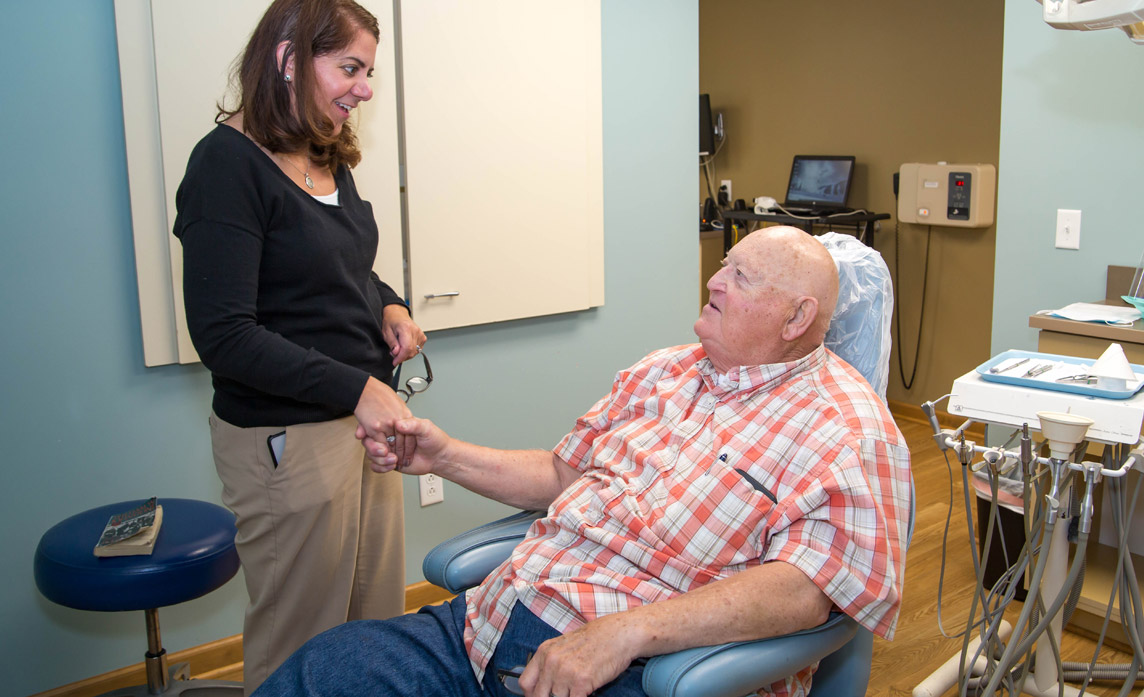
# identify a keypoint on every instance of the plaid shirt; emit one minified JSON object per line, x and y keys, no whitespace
{"x":662,"y":507}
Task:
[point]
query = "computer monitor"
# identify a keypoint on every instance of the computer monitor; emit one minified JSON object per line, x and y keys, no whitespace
{"x":820,"y":181}
{"x":706,"y":127}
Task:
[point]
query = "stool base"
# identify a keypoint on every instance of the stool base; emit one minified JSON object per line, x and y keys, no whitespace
{"x":179,"y":683}
{"x":175,"y":680}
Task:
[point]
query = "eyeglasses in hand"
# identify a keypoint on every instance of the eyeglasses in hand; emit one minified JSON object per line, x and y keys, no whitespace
{"x":416,"y":385}
{"x":510,"y":678}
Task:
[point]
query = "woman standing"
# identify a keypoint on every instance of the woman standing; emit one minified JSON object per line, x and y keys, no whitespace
{"x":300,"y":336}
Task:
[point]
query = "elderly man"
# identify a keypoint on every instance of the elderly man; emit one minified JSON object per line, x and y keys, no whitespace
{"x":731,"y":490}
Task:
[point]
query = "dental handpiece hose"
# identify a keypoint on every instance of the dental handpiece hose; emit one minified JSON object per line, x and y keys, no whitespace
{"x":1045,"y":678}
{"x":990,"y":632}
{"x":1020,"y":648}
{"x":1059,"y":471}
{"x":966,"y":641}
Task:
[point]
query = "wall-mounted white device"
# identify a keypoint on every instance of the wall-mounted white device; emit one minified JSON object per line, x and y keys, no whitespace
{"x":947,"y":195}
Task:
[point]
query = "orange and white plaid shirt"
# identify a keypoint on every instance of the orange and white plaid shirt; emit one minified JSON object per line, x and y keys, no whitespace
{"x":663,"y":506}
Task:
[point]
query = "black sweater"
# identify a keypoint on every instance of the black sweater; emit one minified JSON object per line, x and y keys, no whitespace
{"x":281,"y":301}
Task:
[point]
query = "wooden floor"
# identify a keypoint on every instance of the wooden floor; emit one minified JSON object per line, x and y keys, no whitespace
{"x":918,"y":647}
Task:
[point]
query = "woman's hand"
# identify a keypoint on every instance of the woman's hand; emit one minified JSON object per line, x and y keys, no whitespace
{"x":401,"y":333}
{"x":377,"y":411}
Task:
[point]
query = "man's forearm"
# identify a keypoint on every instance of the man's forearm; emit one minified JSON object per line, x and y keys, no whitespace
{"x":527,"y":479}
{"x":769,"y":600}
{"x":765,"y":601}
{"x":773,"y":599}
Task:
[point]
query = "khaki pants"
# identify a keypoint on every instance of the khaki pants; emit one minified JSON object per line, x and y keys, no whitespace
{"x":320,"y":536}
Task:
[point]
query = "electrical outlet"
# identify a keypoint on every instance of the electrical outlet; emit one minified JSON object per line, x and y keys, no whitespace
{"x":1068,"y":229}
{"x":725,"y":185}
{"x":432,"y":489}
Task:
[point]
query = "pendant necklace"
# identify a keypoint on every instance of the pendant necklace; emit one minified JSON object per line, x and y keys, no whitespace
{"x":306,"y":174}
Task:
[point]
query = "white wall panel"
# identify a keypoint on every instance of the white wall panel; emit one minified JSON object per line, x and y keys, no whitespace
{"x":502,"y":111}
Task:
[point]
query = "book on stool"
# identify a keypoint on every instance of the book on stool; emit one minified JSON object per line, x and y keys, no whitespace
{"x":132,"y":532}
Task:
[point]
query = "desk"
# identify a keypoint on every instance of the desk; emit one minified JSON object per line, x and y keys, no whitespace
{"x":1089,"y":340}
{"x":859,"y":220}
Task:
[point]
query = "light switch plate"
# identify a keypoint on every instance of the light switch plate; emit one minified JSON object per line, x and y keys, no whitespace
{"x":1068,"y":229}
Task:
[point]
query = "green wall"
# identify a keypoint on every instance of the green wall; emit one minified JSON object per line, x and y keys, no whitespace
{"x":1072,"y":136}
{"x":83,"y":423}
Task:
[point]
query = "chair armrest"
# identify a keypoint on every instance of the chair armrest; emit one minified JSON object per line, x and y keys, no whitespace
{"x":736,"y":669}
{"x":462,"y":562}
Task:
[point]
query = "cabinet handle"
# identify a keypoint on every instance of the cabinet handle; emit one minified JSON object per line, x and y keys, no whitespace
{"x":430,"y":296}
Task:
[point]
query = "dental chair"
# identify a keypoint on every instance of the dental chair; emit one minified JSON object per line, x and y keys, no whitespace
{"x":859,"y":334}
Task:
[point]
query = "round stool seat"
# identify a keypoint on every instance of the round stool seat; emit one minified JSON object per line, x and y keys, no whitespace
{"x":194,"y":554}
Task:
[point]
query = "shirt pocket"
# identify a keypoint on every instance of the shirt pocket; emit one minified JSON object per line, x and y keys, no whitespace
{"x":714,"y":521}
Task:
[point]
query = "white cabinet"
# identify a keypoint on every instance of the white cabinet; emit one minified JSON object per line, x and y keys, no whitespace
{"x":503,"y":143}
{"x":500,"y":104}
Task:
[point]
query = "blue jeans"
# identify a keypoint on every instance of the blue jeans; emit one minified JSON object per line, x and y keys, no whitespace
{"x":420,"y":655}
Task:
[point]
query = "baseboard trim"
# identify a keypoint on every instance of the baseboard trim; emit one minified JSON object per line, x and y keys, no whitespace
{"x":215,"y":660}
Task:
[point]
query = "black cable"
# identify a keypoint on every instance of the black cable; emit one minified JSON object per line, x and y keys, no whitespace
{"x":921,"y":315}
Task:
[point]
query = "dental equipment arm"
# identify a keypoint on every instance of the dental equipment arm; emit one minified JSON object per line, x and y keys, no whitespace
{"x":1091,"y":15}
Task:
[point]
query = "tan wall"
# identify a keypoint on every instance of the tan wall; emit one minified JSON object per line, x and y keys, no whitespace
{"x":889,"y":82}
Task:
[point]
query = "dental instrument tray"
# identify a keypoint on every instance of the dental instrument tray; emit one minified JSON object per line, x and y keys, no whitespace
{"x":1047,"y":371}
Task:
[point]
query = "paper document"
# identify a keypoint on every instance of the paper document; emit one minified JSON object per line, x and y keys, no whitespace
{"x":1092,"y":312}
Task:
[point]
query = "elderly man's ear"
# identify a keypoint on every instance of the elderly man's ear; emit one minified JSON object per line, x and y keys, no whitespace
{"x":801,"y":319}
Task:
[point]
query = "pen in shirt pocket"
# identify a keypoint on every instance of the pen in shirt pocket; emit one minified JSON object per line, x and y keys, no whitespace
{"x":752,"y":481}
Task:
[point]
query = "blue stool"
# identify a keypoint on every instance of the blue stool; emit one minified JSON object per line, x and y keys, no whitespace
{"x":194,"y":554}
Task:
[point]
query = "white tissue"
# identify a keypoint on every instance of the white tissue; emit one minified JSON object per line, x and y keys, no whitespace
{"x":1113,"y":369}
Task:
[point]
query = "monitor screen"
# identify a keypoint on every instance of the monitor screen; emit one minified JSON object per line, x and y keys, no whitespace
{"x":820,"y":180}
{"x":706,"y":127}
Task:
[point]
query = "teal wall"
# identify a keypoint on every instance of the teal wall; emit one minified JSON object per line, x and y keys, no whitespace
{"x":83,"y":423}
{"x":1072,"y":136}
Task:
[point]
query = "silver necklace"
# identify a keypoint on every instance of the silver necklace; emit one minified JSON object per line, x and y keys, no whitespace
{"x":306,"y":174}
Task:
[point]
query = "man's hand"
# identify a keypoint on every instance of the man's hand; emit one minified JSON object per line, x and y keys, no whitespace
{"x":424,"y":442}
{"x":583,"y":660}
{"x":401,"y":333}
{"x":377,"y":410}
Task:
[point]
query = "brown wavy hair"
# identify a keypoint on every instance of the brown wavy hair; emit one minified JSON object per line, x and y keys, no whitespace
{"x":311,"y":28}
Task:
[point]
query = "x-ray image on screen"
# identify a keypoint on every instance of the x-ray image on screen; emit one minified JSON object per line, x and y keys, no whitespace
{"x":820,"y":180}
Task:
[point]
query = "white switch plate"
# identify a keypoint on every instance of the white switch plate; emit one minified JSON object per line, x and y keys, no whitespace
{"x":1068,"y":229}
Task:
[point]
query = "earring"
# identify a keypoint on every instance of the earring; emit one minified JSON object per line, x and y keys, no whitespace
{"x":288,"y":78}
